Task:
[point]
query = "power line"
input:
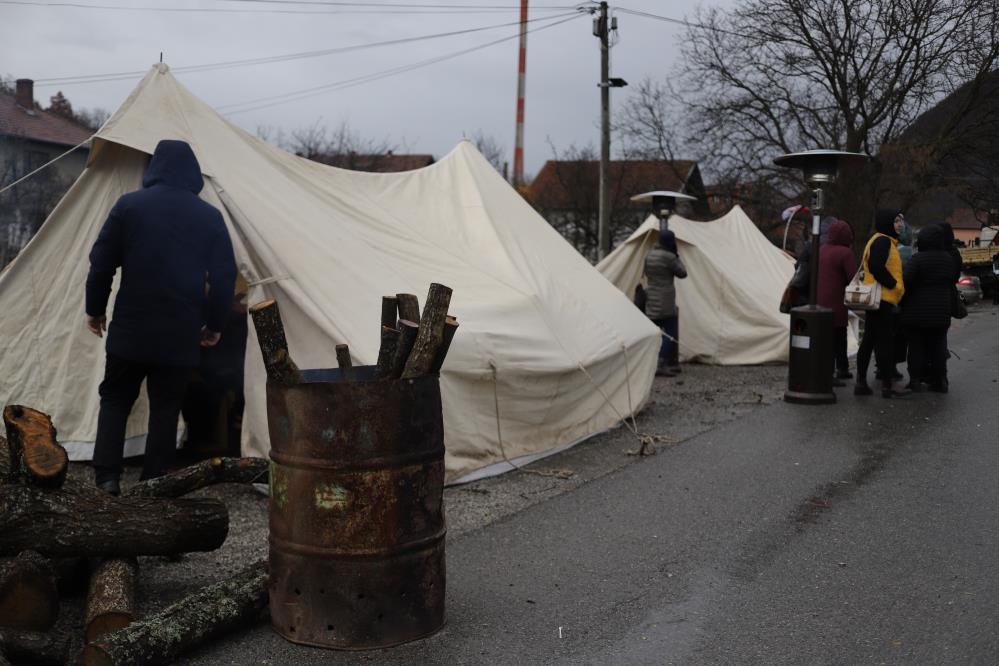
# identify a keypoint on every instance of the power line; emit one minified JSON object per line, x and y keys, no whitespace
{"x":407,"y":5}
{"x":120,"y":76}
{"x":344,"y":8}
{"x":273,"y":100}
{"x":683,"y":22}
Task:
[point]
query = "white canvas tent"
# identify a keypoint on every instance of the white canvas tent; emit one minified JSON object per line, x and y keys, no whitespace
{"x":547,"y":352}
{"x":729,"y":303}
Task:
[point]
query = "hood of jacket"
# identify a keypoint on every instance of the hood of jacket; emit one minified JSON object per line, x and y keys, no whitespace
{"x":175,"y":165}
{"x":932,"y":237}
{"x":948,"y":234}
{"x":667,"y":240}
{"x":884,"y":222}
{"x":840,"y":233}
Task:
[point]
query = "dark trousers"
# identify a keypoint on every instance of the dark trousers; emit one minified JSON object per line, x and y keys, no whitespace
{"x":668,"y":350}
{"x":840,"y":360}
{"x":927,"y":354}
{"x":879,"y":334}
{"x":122,"y":379}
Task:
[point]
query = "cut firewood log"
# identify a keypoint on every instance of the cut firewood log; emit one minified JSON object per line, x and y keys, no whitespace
{"x":29,"y":597}
{"x":185,"y":625}
{"x":386,"y":352}
{"x":273,"y":343}
{"x":409,"y":307}
{"x":33,"y":450}
{"x":431,"y":332}
{"x":78,"y":520}
{"x":33,"y":647}
{"x":390,"y":309}
{"x":201,"y":475}
{"x":111,"y":599}
{"x":450,"y":328}
{"x":344,"y":363}
{"x":407,"y":336}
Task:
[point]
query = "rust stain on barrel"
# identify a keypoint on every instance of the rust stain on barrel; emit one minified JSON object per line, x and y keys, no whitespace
{"x":356,"y":513}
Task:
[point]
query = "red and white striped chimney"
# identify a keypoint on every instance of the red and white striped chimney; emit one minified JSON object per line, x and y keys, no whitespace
{"x":518,"y":148}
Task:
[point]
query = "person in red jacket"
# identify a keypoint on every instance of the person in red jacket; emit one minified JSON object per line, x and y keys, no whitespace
{"x":837,"y":267}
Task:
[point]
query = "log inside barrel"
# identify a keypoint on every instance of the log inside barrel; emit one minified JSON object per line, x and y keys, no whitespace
{"x":408,"y":332}
{"x":390,"y":309}
{"x":77,"y":520}
{"x":274,"y":344}
{"x":34,"y":452}
{"x":185,"y":625}
{"x":29,"y":598}
{"x":111,"y":598}
{"x":386,"y":352}
{"x":409,"y":307}
{"x":450,"y":328}
{"x":431,"y":332}
{"x":344,"y":363}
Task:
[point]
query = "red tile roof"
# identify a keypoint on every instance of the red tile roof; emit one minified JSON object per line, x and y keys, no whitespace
{"x":965,"y":218}
{"x":38,"y":125}
{"x":384,"y":163}
{"x":551,"y":187}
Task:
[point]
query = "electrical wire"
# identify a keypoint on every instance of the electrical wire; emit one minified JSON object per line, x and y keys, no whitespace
{"x":120,"y":76}
{"x":346,"y":8}
{"x":407,"y":5}
{"x":274,"y":100}
{"x":683,"y":22}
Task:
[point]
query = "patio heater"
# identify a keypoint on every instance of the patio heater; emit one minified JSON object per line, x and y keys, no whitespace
{"x":664,"y":205}
{"x":810,"y":361}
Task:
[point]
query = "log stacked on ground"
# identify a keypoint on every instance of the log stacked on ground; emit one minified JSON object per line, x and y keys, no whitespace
{"x":32,"y":647}
{"x":33,"y":450}
{"x":201,"y":475}
{"x":111,"y":598}
{"x":159,"y":639}
{"x":29,"y":597}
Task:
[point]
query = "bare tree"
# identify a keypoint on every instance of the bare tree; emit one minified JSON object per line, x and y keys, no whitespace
{"x":491,"y":149}
{"x":94,"y":118}
{"x":776,"y":76}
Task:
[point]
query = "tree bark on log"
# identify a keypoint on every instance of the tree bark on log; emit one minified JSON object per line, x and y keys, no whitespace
{"x":192,"y":621}
{"x":33,"y":450}
{"x":408,"y":332}
{"x":77,"y":520}
{"x":431,"y":332}
{"x":390,"y":308}
{"x":409,"y":307}
{"x":386,"y":352}
{"x":32,"y":647}
{"x":450,"y":328}
{"x":111,"y":599}
{"x":274,"y":344}
{"x":29,"y":597}
{"x":202,"y":475}
{"x":344,"y":363}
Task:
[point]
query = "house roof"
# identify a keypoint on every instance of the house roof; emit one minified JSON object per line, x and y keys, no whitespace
{"x":965,"y":218}
{"x":38,"y":125}
{"x":560,"y":183}
{"x":380,"y":163}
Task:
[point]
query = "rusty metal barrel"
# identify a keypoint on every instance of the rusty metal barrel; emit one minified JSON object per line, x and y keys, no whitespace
{"x":356,"y":510}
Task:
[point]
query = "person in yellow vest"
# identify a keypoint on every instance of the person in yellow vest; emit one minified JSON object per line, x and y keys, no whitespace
{"x":882,"y":263}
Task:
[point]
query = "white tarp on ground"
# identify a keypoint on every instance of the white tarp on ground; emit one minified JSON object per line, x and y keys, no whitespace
{"x":729,"y":303}
{"x":547,"y":352}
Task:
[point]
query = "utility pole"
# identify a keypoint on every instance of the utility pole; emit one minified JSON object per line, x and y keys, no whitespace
{"x":518,"y":148}
{"x":603,"y":225}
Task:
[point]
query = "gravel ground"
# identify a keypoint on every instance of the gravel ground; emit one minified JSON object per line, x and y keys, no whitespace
{"x":679,"y":408}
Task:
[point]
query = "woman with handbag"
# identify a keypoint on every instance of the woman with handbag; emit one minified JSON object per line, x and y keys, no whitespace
{"x":927,"y":308}
{"x":836,"y":268}
{"x":662,"y":265}
{"x":881,"y":263}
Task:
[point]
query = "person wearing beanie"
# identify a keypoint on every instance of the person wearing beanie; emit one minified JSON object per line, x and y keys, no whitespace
{"x":662,"y":266}
{"x":836,"y":268}
{"x":881,"y":264}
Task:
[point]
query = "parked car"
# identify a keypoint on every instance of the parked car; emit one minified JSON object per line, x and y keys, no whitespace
{"x":970,"y":288}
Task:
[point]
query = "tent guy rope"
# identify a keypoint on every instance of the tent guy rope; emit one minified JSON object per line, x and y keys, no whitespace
{"x":47,"y":164}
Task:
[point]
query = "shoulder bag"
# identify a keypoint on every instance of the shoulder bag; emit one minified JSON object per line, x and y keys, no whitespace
{"x":860,"y":296}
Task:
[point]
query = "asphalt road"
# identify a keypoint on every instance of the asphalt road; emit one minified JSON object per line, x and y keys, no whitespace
{"x":864,"y":532}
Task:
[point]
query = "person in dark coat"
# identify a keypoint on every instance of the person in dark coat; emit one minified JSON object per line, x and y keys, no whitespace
{"x":837,"y":267}
{"x":926,"y":309}
{"x":172,"y":249}
{"x":882,"y":264}
{"x":662,"y":265}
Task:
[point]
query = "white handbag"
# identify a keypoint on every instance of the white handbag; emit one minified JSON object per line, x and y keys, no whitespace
{"x":860,"y":296}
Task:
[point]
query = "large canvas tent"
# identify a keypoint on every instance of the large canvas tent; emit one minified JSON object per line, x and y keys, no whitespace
{"x":729,"y":303}
{"x":547,"y":352}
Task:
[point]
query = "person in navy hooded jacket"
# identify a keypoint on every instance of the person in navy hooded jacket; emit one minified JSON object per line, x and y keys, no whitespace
{"x":177,"y":280}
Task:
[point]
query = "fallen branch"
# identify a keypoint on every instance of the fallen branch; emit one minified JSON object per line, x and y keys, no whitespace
{"x":29,"y":598}
{"x":201,"y":475}
{"x":33,"y":450}
{"x":185,"y":625}
{"x":111,"y":598}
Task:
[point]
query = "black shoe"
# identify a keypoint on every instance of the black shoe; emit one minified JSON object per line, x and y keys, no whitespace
{"x":862,"y":389}
{"x":940,"y":387}
{"x":111,"y":487}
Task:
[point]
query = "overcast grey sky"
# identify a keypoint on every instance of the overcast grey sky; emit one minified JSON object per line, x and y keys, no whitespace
{"x":428,"y":109}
